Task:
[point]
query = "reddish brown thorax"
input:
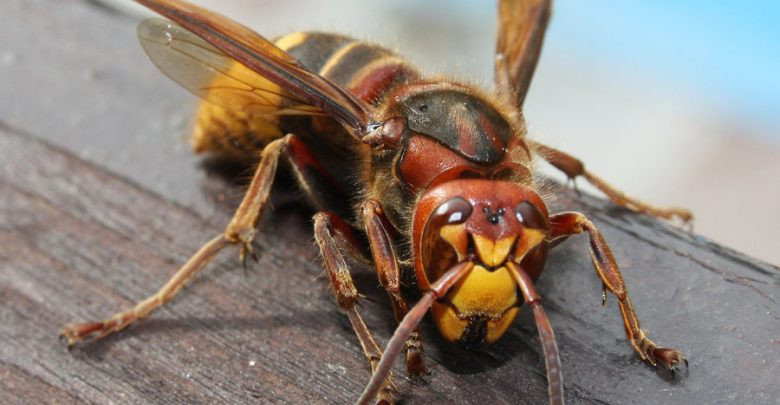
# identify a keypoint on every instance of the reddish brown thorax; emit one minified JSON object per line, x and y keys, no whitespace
{"x":453,"y":133}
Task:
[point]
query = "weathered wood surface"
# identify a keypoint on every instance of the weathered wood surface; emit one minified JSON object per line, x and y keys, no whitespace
{"x":100,"y":201}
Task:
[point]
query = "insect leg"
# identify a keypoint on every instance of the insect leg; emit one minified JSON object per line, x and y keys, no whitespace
{"x":243,"y":226}
{"x":78,"y":331}
{"x":329,"y":231}
{"x":569,"y":223}
{"x":386,"y":265}
{"x":407,"y":326}
{"x":242,"y":229}
{"x":574,"y":168}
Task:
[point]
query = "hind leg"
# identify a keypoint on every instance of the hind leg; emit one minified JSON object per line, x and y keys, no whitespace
{"x":574,"y":168}
{"x":240,"y":231}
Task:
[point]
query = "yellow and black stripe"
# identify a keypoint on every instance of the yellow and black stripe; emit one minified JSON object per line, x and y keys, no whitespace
{"x":367,"y":70}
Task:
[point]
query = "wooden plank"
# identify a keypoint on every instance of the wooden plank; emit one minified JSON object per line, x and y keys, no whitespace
{"x":103,"y":211}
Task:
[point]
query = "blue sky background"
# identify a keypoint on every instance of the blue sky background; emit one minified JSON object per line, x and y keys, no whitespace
{"x":725,"y":51}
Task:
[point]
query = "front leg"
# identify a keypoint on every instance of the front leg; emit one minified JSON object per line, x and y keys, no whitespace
{"x":569,"y":223}
{"x":386,"y":264}
{"x":332,"y":235}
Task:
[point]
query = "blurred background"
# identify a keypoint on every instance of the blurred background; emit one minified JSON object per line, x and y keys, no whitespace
{"x":677,"y":103}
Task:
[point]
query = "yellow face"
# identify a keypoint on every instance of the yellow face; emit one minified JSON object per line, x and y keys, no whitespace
{"x":481,"y":306}
{"x":498,"y":227}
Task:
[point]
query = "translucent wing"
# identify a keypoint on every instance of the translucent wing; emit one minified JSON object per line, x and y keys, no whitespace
{"x":210,"y":74}
{"x":293,"y":83}
{"x":521,"y":26}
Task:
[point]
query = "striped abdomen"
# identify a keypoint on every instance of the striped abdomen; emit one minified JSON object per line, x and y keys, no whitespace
{"x":367,"y":70}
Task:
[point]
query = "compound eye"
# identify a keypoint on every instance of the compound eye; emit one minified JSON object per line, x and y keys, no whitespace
{"x":530,"y":216}
{"x":437,"y":254}
{"x":453,"y":211}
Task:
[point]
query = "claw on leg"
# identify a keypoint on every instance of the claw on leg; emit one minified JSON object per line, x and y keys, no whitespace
{"x":648,"y":350}
{"x":246,"y":250}
{"x":75,"y":332}
{"x":241,"y":231}
{"x":376,"y":226}
{"x":329,"y":229}
{"x":569,"y":223}
{"x":415,"y":365}
{"x":573,"y":168}
{"x":670,"y":359}
{"x":79,"y":331}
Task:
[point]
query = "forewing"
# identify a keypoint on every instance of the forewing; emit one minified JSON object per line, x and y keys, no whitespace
{"x":210,"y":74}
{"x":268,"y":61}
{"x":521,"y":27}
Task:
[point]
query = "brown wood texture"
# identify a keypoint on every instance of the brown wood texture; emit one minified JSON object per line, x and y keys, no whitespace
{"x":101,"y":201}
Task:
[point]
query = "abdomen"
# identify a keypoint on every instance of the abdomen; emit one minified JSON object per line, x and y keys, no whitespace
{"x":368,"y":71}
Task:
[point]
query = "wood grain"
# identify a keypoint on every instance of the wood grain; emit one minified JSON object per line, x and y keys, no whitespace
{"x":100,"y":202}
